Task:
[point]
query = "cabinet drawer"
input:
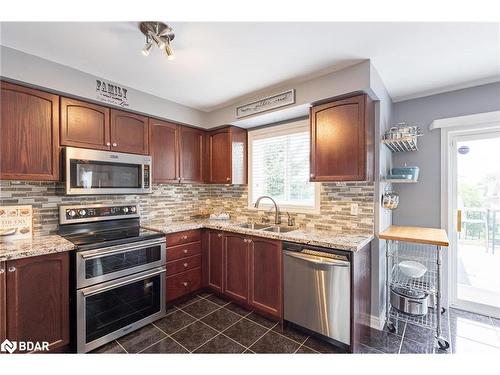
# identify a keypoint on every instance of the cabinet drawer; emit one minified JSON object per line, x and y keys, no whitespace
{"x":183,"y":237}
{"x":182,"y":265}
{"x":183,"y":283}
{"x":183,"y":251}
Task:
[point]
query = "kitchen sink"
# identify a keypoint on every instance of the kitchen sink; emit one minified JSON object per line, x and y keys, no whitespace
{"x":280,"y":229}
{"x":254,"y":226}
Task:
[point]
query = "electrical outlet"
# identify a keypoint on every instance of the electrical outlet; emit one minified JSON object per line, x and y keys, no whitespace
{"x":354,"y":209}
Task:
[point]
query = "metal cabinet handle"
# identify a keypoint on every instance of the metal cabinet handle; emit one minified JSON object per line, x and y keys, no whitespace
{"x":185,"y":251}
{"x":12,"y":269}
{"x":228,"y":179}
{"x":115,"y":144}
{"x":219,"y":235}
{"x":185,"y":283}
{"x":312,"y":175}
{"x":2,"y":271}
{"x":184,"y":237}
{"x":108,"y":143}
{"x":185,"y":265}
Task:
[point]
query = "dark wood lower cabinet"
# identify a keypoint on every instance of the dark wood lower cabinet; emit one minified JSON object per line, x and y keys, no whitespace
{"x":235,"y":271}
{"x":3,"y":307}
{"x":183,"y":283}
{"x":265,"y":276}
{"x":213,"y":252}
{"x":37,"y":299}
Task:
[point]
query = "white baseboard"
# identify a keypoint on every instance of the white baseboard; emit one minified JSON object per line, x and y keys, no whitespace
{"x":377,"y":322}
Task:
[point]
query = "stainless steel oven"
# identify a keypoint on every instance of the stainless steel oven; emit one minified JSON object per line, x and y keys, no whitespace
{"x":100,"y":265}
{"x":109,"y":310}
{"x":106,"y":172}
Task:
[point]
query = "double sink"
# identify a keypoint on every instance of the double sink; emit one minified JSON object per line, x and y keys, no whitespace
{"x":267,"y":227}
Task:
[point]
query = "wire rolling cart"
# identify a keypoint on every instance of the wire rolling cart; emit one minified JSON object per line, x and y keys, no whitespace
{"x":423,"y":245}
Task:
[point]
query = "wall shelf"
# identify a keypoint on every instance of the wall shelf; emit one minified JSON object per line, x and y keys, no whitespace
{"x":399,"y":181}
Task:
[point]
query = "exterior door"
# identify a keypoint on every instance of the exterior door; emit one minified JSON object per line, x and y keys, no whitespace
{"x":29,"y":144}
{"x":38,"y":299}
{"x":163,"y":142}
{"x":475,"y":251}
{"x":191,"y":149}
{"x":236,"y":266}
{"x":84,"y":125}
{"x":266,"y":276}
{"x":129,"y":132}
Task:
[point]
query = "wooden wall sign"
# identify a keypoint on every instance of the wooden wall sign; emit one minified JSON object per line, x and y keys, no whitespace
{"x":271,"y":102}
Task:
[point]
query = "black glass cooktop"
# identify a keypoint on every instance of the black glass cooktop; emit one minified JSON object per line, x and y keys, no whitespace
{"x":103,"y":234}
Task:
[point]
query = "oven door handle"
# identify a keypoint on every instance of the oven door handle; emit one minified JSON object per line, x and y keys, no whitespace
{"x":316,"y":260}
{"x":121,"y":283}
{"x":120,"y":249}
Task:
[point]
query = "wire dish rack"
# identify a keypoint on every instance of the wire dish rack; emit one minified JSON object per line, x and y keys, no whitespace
{"x":404,"y":144}
{"x":430,"y":283}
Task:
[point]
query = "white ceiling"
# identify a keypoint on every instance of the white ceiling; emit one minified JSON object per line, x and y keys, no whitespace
{"x":216,"y":63}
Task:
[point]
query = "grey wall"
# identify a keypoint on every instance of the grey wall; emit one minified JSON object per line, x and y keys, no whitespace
{"x":35,"y":71}
{"x":420,"y":203}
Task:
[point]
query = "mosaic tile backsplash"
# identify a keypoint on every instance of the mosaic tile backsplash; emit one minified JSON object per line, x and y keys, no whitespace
{"x":182,"y":202}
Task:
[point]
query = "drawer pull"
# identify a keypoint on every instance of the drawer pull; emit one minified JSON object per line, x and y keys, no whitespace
{"x":184,"y":237}
{"x":185,"y":283}
{"x":185,"y":251}
{"x":219,"y":235}
{"x":185,"y":265}
{"x":2,"y":271}
{"x":12,"y":269}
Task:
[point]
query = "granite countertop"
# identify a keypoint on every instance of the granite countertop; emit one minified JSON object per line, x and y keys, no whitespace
{"x":314,"y":237}
{"x":38,"y":245}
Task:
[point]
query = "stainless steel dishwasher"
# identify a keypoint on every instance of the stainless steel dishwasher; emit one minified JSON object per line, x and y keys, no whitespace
{"x":317,"y":293}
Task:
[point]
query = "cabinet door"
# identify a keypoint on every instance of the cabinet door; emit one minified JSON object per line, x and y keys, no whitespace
{"x":213,"y":255}
{"x":190,"y":155}
{"x":266,"y":276}
{"x":84,"y":125}
{"x":236,"y":266}
{"x":338,"y":148}
{"x":219,"y":157}
{"x":38,"y":299}
{"x":3,"y":310}
{"x":129,"y":132}
{"x":163,"y":146}
{"x":29,"y":145}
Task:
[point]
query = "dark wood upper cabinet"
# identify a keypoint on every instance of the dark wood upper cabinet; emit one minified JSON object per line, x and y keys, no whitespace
{"x":342,"y":140}
{"x":84,"y":125}
{"x":29,"y":145}
{"x":235,"y":271}
{"x":163,"y":146}
{"x":3,"y":305}
{"x":227,"y":156}
{"x":265,"y":276}
{"x":129,"y":132}
{"x":213,"y":259}
{"x":191,"y":154}
{"x":38,"y":299}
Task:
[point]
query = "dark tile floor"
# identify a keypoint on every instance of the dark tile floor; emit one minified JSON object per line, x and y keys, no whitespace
{"x":208,"y":324}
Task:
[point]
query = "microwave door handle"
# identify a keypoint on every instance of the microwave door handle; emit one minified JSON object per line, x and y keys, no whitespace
{"x":121,"y":283}
{"x":98,"y":254}
{"x":315,"y":260}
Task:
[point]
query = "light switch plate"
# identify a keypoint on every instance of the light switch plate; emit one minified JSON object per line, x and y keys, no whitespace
{"x":354,"y":209}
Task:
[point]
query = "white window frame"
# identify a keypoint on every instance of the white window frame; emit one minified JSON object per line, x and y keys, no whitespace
{"x":275,"y":131}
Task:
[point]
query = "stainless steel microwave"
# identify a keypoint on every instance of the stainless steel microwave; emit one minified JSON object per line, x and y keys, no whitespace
{"x":106,"y":172}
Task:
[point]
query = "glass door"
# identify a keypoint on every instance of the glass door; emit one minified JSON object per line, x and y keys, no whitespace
{"x":476,"y":198}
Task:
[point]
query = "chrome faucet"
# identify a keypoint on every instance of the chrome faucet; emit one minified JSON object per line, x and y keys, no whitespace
{"x":277,"y":218}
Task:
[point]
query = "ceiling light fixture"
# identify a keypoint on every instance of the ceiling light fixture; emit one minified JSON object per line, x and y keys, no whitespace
{"x":159,"y":33}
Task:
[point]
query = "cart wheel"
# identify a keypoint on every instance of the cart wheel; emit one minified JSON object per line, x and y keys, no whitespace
{"x":443,"y":310}
{"x":390,"y":327}
{"x":443,"y":344}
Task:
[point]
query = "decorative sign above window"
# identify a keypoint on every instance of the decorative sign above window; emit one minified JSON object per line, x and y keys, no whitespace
{"x":271,"y":102}
{"x":110,"y":93}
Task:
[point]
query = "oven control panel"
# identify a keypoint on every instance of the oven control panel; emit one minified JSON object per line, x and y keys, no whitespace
{"x":96,"y":212}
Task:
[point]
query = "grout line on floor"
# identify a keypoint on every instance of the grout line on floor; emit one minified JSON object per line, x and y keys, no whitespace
{"x":402,"y":338}
{"x":265,"y":333}
{"x":121,"y":346}
{"x":149,"y":346}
